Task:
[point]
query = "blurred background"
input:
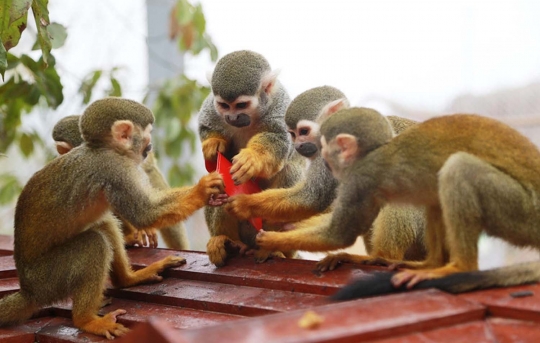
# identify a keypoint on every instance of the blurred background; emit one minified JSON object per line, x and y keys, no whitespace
{"x":416,"y":59}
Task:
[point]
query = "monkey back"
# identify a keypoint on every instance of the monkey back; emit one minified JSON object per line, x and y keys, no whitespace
{"x":238,"y":73}
{"x":98,"y":118}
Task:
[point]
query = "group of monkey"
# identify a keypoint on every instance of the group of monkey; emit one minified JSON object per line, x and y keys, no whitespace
{"x":420,"y":194}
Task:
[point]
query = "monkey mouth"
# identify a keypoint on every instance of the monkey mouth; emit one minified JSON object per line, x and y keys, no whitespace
{"x":240,"y":120}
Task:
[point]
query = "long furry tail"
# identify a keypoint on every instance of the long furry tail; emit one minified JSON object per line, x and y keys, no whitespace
{"x":16,"y":308}
{"x":379,"y":283}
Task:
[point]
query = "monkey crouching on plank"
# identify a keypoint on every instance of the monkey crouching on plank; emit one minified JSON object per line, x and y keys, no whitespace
{"x":242,"y":118}
{"x":473,"y":174}
{"x":66,"y":238}
{"x":398,"y":231}
{"x":67,"y":136}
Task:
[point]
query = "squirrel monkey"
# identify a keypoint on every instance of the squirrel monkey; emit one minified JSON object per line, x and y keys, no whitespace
{"x":67,"y":136}
{"x":243,"y":119}
{"x":473,"y":174}
{"x":66,"y":238}
{"x":398,"y":232}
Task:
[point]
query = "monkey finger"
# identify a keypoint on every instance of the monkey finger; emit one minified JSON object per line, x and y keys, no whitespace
{"x":402,"y":278}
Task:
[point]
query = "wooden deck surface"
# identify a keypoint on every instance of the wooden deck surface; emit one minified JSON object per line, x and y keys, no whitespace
{"x":249,"y":302}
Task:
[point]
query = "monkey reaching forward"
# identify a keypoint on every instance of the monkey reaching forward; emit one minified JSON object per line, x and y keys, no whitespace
{"x":473,"y":174}
{"x":66,"y":238}
{"x":243,"y":119}
{"x":398,"y":231}
{"x":67,"y":136}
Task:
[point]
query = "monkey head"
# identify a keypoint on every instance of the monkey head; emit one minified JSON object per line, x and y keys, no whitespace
{"x":66,"y":134}
{"x":242,"y":84}
{"x":120,"y":124}
{"x":305,"y":114}
{"x":350,"y":134}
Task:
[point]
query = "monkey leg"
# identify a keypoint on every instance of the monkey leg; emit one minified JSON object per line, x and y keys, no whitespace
{"x":175,"y":237}
{"x":224,"y":236}
{"x":476,"y":196}
{"x":79,"y":268}
{"x":122,"y":275}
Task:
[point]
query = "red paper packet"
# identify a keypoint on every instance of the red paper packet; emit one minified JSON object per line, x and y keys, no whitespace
{"x":223,"y":166}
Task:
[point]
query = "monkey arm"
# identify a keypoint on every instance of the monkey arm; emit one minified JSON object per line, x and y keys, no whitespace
{"x":353,"y":216}
{"x":146,"y":209}
{"x":310,"y":197}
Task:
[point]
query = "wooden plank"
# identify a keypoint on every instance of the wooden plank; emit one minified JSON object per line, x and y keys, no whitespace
{"x":139,"y":312}
{"x":343,"y":322}
{"x":501,"y":303}
{"x":7,"y":267}
{"x":211,"y":296}
{"x":476,"y":331}
{"x":8,"y":286}
{"x":6,"y":245}
{"x":280,"y":274}
{"x":23,"y":333}
{"x":511,"y":330}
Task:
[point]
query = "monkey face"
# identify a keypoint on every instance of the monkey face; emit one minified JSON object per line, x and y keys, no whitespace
{"x":240,"y":112}
{"x":306,"y":138}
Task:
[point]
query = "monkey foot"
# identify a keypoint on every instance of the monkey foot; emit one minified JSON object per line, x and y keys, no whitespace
{"x":106,"y":325}
{"x":262,"y":255}
{"x":219,"y":248}
{"x":412,"y":277}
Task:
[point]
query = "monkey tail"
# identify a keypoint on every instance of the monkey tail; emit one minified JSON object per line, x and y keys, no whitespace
{"x":16,"y":308}
{"x":379,"y":283}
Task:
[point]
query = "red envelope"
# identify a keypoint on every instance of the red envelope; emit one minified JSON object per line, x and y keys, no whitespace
{"x":223,"y":166}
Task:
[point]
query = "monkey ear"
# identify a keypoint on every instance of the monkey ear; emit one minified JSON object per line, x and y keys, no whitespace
{"x":348,"y":145}
{"x":63,"y":147}
{"x":269,"y":81}
{"x":332,"y":108}
{"x":122,"y":131}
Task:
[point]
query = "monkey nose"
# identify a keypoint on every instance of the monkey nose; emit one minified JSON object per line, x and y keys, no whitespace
{"x":238,"y":120}
{"x":306,"y":149}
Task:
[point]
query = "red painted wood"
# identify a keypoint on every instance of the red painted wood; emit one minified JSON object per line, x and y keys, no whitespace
{"x":155,"y":330}
{"x":24,"y":333}
{"x":348,"y":321}
{"x":474,"y":332}
{"x":501,"y":304}
{"x":512,"y":331}
{"x":6,"y":245}
{"x":8,"y":286}
{"x":212,"y":296}
{"x":7,"y":267}
{"x":281,"y":274}
{"x":138,"y":312}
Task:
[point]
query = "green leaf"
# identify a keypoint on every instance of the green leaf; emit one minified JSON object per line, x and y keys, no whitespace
{"x":58,"y":35}
{"x":88,"y":85}
{"x":198,"y":19}
{"x":26,"y":145}
{"x":184,"y":12}
{"x":9,"y":189}
{"x":13,"y":21}
{"x":116,"y":89}
{"x":41,"y":16}
{"x":3,"y":59}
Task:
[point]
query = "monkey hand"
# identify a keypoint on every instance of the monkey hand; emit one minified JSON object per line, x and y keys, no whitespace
{"x":269,"y":240}
{"x":332,"y":261}
{"x":142,"y":238}
{"x":220,"y":247}
{"x":246,"y":165}
{"x":262,"y":255}
{"x":211,"y":184}
{"x":218,"y":200}
{"x":211,"y":146}
{"x":241,"y":206}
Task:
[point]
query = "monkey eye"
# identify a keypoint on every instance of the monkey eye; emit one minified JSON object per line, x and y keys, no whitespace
{"x":223,"y":105}
{"x":148,"y":148}
{"x":242,"y":105}
{"x":304,"y":132}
